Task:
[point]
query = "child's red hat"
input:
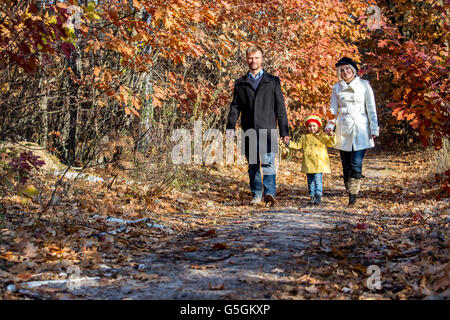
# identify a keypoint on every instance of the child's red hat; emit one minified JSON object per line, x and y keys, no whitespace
{"x":314,"y":117}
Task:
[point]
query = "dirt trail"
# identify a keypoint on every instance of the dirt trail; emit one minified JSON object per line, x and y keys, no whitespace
{"x":258,"y":249}
{"x":226,"y":249}
{"x":259,"y":253}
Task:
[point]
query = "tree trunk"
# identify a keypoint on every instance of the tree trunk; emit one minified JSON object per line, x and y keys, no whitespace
{"x":71,"y":143}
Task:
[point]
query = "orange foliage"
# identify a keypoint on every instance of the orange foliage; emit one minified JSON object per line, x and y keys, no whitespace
{"x":409,"y":57}
{"x":202,"y":44}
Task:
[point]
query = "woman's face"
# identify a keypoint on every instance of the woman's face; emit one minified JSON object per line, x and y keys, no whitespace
{"x":347,"y":73}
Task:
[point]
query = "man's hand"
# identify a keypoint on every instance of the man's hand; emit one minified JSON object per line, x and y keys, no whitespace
{"x":374,"y":136}
{"x":230,"y":133}
{"x":285,"y":140}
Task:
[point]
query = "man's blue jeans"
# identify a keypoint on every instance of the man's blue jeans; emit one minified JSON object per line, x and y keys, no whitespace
{"x":352,"y":163}
{"x":265,"y":161}
{"x":315,"y":186}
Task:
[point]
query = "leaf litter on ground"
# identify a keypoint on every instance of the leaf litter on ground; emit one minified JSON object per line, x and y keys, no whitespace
{"x":397,"y":225}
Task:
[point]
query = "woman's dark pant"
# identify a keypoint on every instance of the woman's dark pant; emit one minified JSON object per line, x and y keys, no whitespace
{"x":352,"y":163}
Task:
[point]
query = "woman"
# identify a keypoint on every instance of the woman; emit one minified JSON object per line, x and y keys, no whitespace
{"x":355,"y":123}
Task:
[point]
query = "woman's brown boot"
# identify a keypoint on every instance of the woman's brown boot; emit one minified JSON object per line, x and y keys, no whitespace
{"x":353,"y":189}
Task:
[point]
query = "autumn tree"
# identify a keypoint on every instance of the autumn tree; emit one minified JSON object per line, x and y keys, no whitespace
{"x":408,"y":57}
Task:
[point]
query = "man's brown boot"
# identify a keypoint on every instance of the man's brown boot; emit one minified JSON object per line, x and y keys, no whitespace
{"x":269,"y":200}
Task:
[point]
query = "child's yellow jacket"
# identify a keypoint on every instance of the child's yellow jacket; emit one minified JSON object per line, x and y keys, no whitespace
{"x":315,"y":154}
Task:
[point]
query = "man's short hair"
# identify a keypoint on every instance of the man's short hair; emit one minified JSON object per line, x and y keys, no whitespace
{"x":253,"y":49}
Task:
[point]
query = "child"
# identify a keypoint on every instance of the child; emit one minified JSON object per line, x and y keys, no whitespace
{"x":315,"y":156}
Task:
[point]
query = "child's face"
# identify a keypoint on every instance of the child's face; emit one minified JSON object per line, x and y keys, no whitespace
{"x":312,"y":127}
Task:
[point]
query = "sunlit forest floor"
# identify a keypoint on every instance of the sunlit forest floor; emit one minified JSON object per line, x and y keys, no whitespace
{"x":202,"y":239}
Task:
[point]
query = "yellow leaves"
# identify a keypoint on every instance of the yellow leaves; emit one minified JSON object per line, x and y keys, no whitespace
{"x":90,"y":7}
{"x":28,"y":191}
{"x":4,"y":87}
{"x":93,"y":16}
{"x":89,"y":11}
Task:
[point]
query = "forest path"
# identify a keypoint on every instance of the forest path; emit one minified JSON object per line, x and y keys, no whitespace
{"x":291,"y":251}
{"x":202,"y":240}
{"x":242,"y":259}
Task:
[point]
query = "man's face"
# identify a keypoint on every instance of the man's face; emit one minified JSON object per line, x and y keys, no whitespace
{"x":254,"y":60}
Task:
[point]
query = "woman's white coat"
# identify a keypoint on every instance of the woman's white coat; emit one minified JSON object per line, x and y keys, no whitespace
{"x":356,"y":121}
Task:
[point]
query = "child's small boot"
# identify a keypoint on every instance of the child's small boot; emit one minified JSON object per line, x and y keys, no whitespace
{"x":312,"y":199}
{"x":317,"y":200}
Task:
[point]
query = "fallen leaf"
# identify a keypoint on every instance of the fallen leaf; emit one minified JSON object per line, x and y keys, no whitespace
{"x":5,"y":275}
{"x":146,"y":276}
{"x":29,"y":191}
{"x":189,"y":248}
{"x":220,"y":246}
{"x":211,"y":232}
{"x":197,"y":267}
{"x":372,"y":255}
{"x":30,"y":250}
{"x":312,"y":289}
{"x":216,"y":287}
{"x":361,"y":226}
{"x":24,"y":276}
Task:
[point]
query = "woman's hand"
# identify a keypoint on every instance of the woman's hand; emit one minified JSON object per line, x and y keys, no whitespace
{"x":329,"y":131}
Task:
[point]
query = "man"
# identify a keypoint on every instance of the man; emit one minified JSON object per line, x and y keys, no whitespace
{"x":258,"y":98}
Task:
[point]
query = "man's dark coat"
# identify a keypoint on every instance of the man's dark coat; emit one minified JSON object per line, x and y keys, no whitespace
{"x":260,"y":109}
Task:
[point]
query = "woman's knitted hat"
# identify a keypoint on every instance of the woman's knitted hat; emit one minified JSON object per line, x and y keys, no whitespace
{"x":349,"y":61}
{"x":314,"y":117}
